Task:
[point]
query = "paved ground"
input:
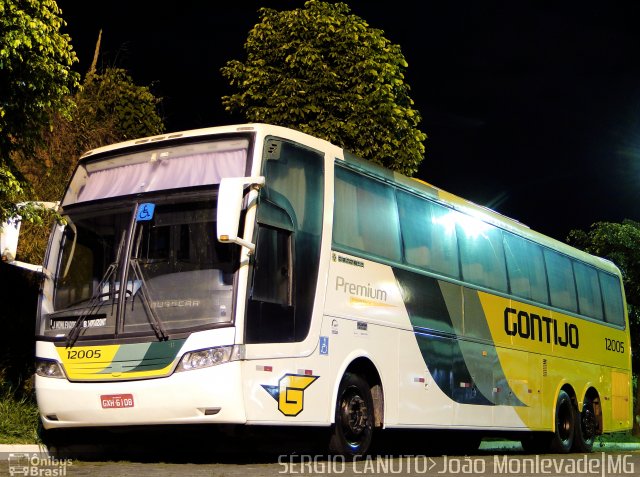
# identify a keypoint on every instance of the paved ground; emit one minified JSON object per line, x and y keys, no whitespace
{"x":203,"y":454}
{"x":598,"y":464}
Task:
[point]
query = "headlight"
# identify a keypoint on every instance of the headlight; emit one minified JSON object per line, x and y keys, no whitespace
{"x":210,"y":357}
{"x":49,"y":368}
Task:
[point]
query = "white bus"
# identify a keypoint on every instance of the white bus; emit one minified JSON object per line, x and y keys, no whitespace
{"x":272,"y":279}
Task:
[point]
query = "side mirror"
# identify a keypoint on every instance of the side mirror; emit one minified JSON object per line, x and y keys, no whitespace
{"x":229,"y":207}
{"x":10,"y":234}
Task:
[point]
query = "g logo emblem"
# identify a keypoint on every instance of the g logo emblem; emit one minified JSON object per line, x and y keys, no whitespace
{"x":290,"y":392}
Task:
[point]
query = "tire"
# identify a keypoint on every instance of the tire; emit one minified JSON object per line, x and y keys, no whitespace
{"x":585,"y":427}
{"x":352,"y":432}
{"x":565,"y":420}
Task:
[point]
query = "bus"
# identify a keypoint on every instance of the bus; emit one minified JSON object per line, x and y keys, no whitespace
{"x":253,"y":275}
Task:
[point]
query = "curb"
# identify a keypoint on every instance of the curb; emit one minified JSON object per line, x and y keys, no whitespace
{"x":6,"y":449}
{"x":22,"y":448}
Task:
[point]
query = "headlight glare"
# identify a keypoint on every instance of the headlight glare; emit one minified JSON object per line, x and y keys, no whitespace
{"x":49,"y":368}
{"x":206,"y":358}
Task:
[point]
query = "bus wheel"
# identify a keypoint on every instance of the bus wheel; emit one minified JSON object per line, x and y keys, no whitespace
{"x":563,"y":436}
{"x":586,"y":426}
{"x":353,"y":428}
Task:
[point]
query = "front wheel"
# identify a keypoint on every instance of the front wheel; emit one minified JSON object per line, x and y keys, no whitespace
{"x":353,"y":429}
{"x":564,"y":432}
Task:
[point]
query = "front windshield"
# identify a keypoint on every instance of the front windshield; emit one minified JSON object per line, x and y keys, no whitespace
{"x":177,"y":275}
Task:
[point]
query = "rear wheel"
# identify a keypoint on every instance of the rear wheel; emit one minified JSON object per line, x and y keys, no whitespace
{"x":564,"y":432}
{"x":585,"y":427}
{"x":353,"y":429}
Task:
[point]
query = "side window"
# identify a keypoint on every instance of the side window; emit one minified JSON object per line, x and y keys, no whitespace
{"x":612,"y":297}
{"x":589,"y":298}
{"x":271,"y":316}
{"x":481,"y":253}
{"x":428,"y":235}
{"x":80,"y":266}
{"x":272,"y":278}
{"x":525,"y":267}
{"x":561,"y":284}
{"x":366,"y":216}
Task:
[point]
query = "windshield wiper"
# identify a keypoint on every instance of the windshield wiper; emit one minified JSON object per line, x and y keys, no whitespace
{"x":152,"y":316}
{"x":97,"y":296}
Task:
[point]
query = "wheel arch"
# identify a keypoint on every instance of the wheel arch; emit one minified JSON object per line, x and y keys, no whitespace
{"x":366,"y":368}
{"x":592,"y":394}
{"x":567,"y":388}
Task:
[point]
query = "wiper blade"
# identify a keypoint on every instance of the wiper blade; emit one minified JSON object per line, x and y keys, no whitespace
{"x":152,"y":316}
{"x":94,"y":304}
{"x":97,"y":296}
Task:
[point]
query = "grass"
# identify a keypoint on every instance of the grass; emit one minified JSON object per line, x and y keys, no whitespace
{"x":617,"y":437}
{"x":18,"y":418}
{"x":18,"y":412}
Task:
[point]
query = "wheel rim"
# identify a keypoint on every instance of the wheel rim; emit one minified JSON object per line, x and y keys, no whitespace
{"x":354,"y":415}
{"x":588,"y":424}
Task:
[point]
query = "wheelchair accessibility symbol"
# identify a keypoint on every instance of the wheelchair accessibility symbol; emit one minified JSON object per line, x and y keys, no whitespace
{"x":145,"y":212}
{"x":324,"y":345}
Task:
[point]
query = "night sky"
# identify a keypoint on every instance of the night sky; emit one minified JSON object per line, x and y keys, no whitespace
{"x":531,"y":107}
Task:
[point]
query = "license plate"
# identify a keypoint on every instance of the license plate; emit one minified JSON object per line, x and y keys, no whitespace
{"x":116,"y":401}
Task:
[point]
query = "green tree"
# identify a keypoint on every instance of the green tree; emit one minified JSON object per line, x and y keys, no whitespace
{"x":326,"y":72}
{"x":620,"y":243}
{"x":110,"y":108}
{"x":36,"y":81}
{"x":112,"y":97}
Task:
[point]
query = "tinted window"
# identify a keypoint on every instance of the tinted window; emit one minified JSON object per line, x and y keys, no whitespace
{"x":561,"y":284}
{"x":612,"y":297}
{"x":481,"y":253}
{"x":429,"y":235}
{"x":589,"y":299}
{"x":272,"y":275}
{"x":525,"y":266}
{"x":366,"y":216}
{"x":290,"y":201}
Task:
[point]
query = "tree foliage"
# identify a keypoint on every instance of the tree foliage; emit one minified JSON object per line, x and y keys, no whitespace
{"x":35,"y":65}
{"x":620,"y":243}
{"x":36,"y":81}
{"x":326,"y":72}
{"x":129,"y":110}
{"x":110,"y":108}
